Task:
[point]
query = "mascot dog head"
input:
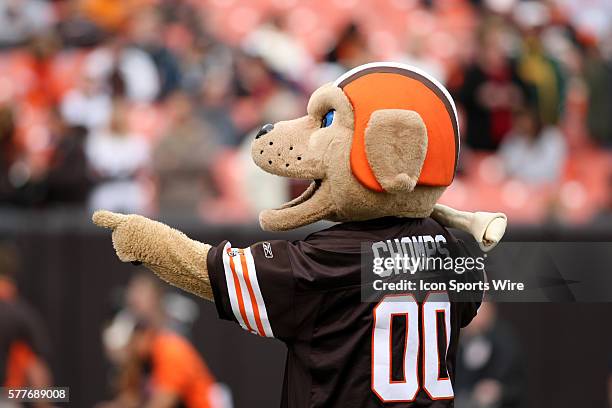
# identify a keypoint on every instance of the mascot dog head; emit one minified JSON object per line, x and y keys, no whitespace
{"x":381,"y":140}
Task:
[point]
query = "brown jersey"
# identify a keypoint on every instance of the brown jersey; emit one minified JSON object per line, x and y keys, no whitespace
{"x":395,"y":351}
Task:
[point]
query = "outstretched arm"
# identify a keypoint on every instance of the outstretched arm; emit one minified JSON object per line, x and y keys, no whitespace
{"x":169,"y":253}
{"x":486,"y":228}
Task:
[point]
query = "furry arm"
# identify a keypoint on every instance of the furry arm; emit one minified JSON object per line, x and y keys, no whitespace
{"x":487,"y":228}
{"x":169,"y":253}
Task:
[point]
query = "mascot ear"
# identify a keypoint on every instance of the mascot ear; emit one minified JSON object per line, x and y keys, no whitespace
{"x":396,"y":145}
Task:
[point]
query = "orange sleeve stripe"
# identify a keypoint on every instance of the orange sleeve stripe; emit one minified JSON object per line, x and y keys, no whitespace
{"x":247,"y":279}
{"x":239,"y":294}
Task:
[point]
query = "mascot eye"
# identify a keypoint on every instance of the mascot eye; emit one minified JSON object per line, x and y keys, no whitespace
{"x":328,"y":119}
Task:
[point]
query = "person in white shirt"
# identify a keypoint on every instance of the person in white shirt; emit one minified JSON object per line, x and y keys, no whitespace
{"x":533,"y":153}
{"x":116,"y":157}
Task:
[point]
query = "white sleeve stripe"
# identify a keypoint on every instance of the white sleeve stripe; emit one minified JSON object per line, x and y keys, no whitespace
{"x":263,"y":313}
{"x":231,"y":290}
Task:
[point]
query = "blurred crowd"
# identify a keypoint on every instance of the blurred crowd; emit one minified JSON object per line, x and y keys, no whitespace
{"x":149,"y":106}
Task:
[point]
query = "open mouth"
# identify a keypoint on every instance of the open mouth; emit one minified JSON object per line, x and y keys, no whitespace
{"x":305,"y":196}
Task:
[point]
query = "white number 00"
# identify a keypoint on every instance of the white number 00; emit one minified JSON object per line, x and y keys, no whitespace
{"x":436,"y":384}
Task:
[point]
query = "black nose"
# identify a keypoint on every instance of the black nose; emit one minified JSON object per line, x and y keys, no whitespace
{"x":264,"y":129}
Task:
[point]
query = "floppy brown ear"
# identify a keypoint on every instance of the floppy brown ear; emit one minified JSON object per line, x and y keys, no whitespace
{"x":396,"y":145}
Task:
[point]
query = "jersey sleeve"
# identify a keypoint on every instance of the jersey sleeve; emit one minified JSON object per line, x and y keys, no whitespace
{"x":254,"y":287}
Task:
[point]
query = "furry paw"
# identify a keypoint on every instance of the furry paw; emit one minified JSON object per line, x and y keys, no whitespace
{"x":108,"y":219}
{"x":129,"y":234}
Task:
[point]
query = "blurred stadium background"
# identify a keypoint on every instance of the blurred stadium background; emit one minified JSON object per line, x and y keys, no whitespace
{"x":149,"y":106}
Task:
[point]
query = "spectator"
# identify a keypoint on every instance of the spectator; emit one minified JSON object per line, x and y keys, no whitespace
{"x":117,"y":157}
{"x":41,"y":54}
{"x":146,"y":299}
{"x":535,"y":65}
{"x":89,"y":104}
{"x":24,"y":346}
{"x":67,"y":180}
{"x":157,"y":367}
{"x":182,"y":158}
{"x":9,"y":156}
{"x":543,"y":74}
{"x":490,"y":370}
{"x":598,"y":78}
{"x":215,"y":107}
{"x":201,"y":59}
{"x":110,"y":15}
{"x":162,"y":370}
{"x":254,"y":82}
{"x":533,"y":153}
{"x":125,"y":71}
{"x":490,"y":91}
{"x":74,"y":28}
{"x":17,"y":187}
{"x":145,"y":36}
{"x":20,"y":20}
{"x":350,"y":49}
{"x":272,"y":42}
{"x":605,"y":215}
{"x":416,"y":55}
